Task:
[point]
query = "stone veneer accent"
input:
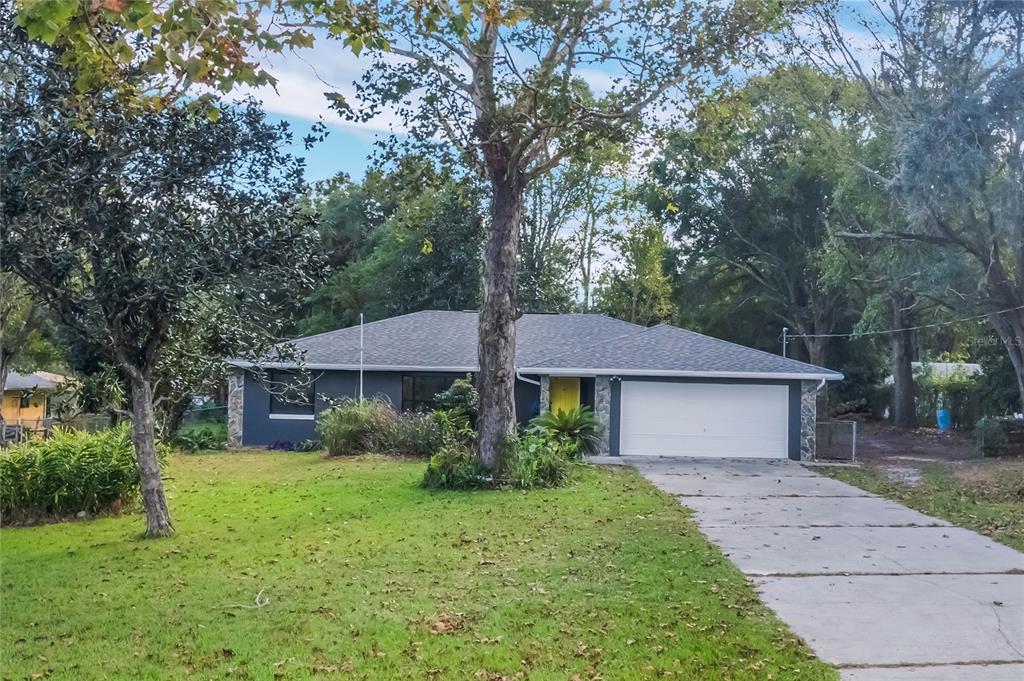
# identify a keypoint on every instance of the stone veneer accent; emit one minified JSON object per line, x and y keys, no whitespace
{"x":545,"y":393}
{"x":236,"y":394}
{"x":603,"y":411}
{"x":808,"y":418}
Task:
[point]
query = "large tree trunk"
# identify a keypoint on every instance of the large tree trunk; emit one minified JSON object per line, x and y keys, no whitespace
{"x":497,"y":413}
{"x":158,"y":517}
{"x":5,"y":369}
{"x":903,"y":409}
{"x":817,"y":354}
{"x":1010,"y":327}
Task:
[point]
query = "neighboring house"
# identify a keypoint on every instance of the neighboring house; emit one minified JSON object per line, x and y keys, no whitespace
{"x":658,"y":391}
{"x":942,"y":369}
{"x":27,"y":398}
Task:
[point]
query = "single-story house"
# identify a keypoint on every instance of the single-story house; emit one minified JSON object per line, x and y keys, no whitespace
{"x":26,"y":400}
{"x":659,"y":391}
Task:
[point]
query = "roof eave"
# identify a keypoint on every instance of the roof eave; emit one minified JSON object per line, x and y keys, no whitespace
{"x":320,"y":366}
{"x":555,"y":371}
{"x":763,"y":375}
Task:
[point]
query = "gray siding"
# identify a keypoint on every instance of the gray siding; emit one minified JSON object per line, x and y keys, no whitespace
{"x":795,"y":434}
{"x":258,"y":429}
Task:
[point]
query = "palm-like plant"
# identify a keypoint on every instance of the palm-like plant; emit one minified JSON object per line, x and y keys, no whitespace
{"x":577,"y":424}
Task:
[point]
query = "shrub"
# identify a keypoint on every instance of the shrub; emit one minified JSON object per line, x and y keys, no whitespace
{"x":197,"y":439}
{"x":461,"y":396}
{"x":578,"y":425}
{"x":454,"y":425}
{"x":537,"y":458}
{"x":69,"y":473}
{"x":415,"y":434}
{"x":356,"y":427}
{"x":1000,"y":436}
{"x":958,"y":391}
{"x":454,"y":467}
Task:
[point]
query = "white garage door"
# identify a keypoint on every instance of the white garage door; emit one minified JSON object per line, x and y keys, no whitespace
{"x":704,"y":419}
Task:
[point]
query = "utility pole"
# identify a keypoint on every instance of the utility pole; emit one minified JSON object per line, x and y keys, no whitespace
{"x":360,"y":356}
{"x":785,"y":339}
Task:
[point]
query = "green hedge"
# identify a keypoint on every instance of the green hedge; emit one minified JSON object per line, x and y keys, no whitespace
{"x":71,"y":472}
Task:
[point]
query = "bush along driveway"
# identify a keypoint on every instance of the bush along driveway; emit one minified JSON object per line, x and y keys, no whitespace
{"x":293,"y":566}
{"x":884,"y":592}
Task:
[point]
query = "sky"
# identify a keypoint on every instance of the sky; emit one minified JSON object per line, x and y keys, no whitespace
{"x":305,"y":76}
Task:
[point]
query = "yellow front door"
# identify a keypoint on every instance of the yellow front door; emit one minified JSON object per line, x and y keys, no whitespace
{"x":565,"y":393}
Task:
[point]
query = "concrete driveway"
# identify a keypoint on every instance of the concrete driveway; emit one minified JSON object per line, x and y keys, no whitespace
{"x":881,"y":591}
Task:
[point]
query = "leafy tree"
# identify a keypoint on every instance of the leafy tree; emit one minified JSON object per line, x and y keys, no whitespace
{"x":544,"y":278}
{"x":710,"y":297}
{"x":23,"y":325}
{"x":402,"y":241}
{"x":949,"y":91}
{"x":565,"y":223}
{"x":751,"y":188}
{"x":208,"y":42}
{"x":501,"y":83}
{"x":635,"y":286}
{"x":598,"y":178}
{"x":125,"y":222}
{"x":885,"y":281}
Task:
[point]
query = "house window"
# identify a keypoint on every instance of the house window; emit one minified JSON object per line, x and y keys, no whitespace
{"x":418,"y":391}
{"x":23,"y":402}
{"x":291,"y":394}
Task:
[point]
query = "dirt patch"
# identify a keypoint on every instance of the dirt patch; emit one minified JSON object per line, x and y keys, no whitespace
{"x":903,"y":455}
{"x":908,"y":475}
{"x":881,"y":443}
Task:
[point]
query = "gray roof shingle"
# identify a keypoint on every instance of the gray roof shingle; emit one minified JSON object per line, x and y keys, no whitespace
{"x":447,"y":341}
{"x":666,"y":348}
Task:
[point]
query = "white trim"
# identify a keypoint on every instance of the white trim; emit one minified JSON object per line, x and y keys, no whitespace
{"x":354,"y":367}
{"x":561,"y":371}
{"x":558,"y":371}
{"x":292,"y":417}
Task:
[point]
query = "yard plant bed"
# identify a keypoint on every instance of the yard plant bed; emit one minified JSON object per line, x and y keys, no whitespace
{"x":290,"y":565}
{"x":986,"y":496}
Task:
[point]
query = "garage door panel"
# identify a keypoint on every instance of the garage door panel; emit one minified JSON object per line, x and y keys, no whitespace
{"x":704,"y":419}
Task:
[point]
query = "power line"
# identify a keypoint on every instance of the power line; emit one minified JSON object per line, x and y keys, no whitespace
{"x":906,"y":328}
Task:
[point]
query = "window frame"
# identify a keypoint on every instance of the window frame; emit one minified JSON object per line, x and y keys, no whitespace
{"x":412,"y":403}
{"x":279,"y":408}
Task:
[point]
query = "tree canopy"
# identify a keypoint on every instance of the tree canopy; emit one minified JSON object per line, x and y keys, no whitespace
{"x":132,"y":224}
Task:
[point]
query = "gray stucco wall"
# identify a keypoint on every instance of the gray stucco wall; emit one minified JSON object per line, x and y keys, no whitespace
{"x":258,"y":429}
{"x":798,"y":440}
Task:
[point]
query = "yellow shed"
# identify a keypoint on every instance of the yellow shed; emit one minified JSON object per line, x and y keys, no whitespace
{"x":26,"y":400}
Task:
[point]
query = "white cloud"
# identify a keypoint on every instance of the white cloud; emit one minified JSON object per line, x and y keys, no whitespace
{"x":304,"y":78}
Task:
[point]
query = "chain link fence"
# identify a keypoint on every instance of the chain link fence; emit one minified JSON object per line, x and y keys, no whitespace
{"x":836,"y":441}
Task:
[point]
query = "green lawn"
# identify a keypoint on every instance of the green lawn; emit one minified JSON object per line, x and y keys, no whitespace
{"x":364,"y":575}
{"x":985,"y":496}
